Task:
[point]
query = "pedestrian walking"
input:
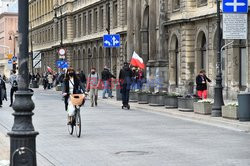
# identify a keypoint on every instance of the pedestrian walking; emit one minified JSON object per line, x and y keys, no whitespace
{"x":201,"y":84}
{"x":125,"y":78}
{"x":50,"y":81}
{"x":2,"y":91}
{"x":140,"y":79}
{"x":14,"y":86}
{"x":82,"y":78}
{"x":93,"y":84}
{"x":107,"y":81}
{"x":45,"y":81}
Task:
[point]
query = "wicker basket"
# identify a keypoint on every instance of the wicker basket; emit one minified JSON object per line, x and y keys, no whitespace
{"x":77,"y":99}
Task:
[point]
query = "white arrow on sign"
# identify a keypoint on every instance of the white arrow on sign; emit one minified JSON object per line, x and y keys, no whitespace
{"x":107,"y":42}
{"x":235,"y":4}
{"x":115,"y":41}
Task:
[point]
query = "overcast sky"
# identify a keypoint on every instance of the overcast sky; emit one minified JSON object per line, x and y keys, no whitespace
{"x":8,"y":6}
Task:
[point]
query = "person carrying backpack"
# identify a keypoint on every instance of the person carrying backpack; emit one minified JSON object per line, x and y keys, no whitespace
{"x":14,"y":86}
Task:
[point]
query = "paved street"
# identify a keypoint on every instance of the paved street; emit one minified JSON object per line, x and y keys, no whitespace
{"x":115,"y":137}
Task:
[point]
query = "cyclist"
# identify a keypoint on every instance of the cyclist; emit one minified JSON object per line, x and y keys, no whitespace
{"x":71,"y":86}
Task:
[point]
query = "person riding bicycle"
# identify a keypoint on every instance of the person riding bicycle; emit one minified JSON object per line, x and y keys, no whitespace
{"x":71,"y":86}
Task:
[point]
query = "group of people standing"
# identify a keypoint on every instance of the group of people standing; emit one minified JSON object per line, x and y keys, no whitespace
{"x":14,"y":87}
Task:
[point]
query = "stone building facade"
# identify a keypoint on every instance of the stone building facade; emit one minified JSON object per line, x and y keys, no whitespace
{"x":84,"y":22}
{"x":176,"y":38}
{"x":8,"y":40}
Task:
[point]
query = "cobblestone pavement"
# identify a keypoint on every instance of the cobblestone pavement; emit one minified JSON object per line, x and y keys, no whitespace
{"x":136,"y":137}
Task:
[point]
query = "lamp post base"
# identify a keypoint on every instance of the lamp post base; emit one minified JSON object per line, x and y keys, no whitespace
{"x":34,"y":84}
{"x":218,"y":99}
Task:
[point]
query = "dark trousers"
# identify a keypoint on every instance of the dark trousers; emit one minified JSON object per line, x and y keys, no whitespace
{"x":12,"y":91}
{"x":66,"y":102}
{"x":125,"y":94}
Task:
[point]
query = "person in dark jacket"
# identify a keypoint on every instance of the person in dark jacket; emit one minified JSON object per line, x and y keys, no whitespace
{"x":82,"y":78}
{"x":125,"y":78}
{"x":71,"y":86}
{"x":106,"y":78}
{"x":201,"y":84}
{"x":2,"y":91}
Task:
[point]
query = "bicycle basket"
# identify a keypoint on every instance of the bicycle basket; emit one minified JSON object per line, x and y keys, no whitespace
{"x":77,"y":99}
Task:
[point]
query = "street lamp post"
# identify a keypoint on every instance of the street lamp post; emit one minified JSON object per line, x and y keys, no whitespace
{"x":34,"y":83}
{"x":218,"y":95}
{"x":108,"y":30}
{"x":14,"y":48}
{"x":23,"y":134}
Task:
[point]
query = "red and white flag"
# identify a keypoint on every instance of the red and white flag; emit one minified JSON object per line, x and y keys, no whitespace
{"x":49,"y":69}
{"x":137,"y":61}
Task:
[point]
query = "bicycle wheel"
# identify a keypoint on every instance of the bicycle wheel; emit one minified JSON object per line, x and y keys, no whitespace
{"x":71,"y":128}
{"x":78,"y":123}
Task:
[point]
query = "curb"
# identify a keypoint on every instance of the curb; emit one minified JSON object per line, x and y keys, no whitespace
{"x":190,"y":116}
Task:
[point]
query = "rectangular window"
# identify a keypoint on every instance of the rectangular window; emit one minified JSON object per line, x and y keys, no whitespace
{"x":95,"y":20}
{"x":176,"y":5}
{"x":74,"y":26}
{"x":79,"y":25}
{"x":101,"y":19}
{"x":90,"y":23}
{"x":65,"y":29}
{"x":115,"y":13}
{"x":84,"y":24}
{"x":201,"y":3}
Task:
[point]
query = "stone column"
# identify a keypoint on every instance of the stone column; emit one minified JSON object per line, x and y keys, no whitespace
{"x":152,"y":30}
{"x":137,"y":27}
{"x":130,"y":29}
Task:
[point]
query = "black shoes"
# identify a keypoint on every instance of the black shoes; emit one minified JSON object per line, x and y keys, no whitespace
{"x":10,"y":105}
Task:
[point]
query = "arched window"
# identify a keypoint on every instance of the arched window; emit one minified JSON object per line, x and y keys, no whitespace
{"x":203,"y":52}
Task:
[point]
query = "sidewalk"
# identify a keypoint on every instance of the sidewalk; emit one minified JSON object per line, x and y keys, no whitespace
{"x":190,"y":116}
{"x":4,"y":148}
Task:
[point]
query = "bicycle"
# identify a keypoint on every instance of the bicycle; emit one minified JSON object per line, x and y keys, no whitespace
{"x":77,"y":100}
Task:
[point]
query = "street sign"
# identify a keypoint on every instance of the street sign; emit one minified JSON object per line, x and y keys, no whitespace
{"x":62,"y":51}
{"x":10,"y":65}
{"x":14,"y":58}
{"x":37,"y":60}
{"x":234,"y":26}
{"x":110,"y":41}
{"x":9,"y":56}
{"x":235,"y":6}
{"x":62,"y":64}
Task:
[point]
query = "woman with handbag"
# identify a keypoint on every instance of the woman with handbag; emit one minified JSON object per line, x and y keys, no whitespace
{"x":71,"y":86}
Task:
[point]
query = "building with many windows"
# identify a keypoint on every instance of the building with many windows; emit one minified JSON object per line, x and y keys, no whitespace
{"x":176,"y":39}
{"x":78,"y":27}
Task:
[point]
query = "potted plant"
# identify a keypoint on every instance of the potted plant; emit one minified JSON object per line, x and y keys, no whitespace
{"x":133,"y":96}
{"x":171,"y":100}
{"x":143,"y":97}
{"x":230,"y":110}
{"x":186,"y":103}
{"x":203,"y":107}
{"x":157,"y":99}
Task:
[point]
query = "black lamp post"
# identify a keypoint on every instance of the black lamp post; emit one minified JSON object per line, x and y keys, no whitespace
{"x":14,"y":48}
{"x":23,"y":134}
{"x":108,"y":29}
{"x":34,"y":81}
{"x":218,"y":95}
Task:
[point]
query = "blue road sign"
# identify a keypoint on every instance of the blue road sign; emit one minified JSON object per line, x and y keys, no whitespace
{"x":14,"y":58}
{"x":62,"y":64}
{"x":235,"y":6}
{"x":111,"y":41}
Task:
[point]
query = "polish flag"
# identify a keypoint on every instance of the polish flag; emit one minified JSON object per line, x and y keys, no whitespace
{"x":137,"y":61}
{"x":49,"y":69}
